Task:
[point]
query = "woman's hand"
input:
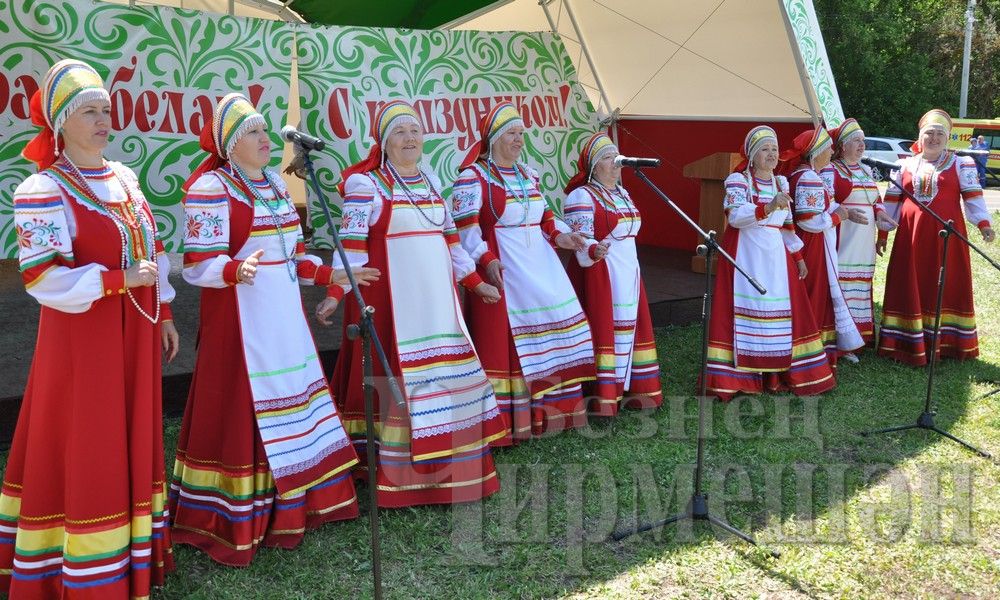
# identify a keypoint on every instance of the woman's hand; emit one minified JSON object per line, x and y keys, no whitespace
{"x":803,"y":269}
{"x":363,"y":275}
{"x":884,"y":222}
{"x":487,"y":293}
{"x":494,"y":273}
{"x":325,"y":309}
{"x":988,"y":235}
{"x":247,"y":270}
{"x":856,"y":215}
{"x":843,"y":213}
{"x":880,"y":246}
{"x":171,"y":340}
{"x":600,"y":251}
{"x":571,"y":241}
{"x":141,"y":274}
{"x":781,"y":201}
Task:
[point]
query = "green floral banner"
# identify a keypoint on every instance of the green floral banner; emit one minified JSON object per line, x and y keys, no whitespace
{"x":805,"y":25}
{"x":165,"y":69}
{"x":452,"y":78}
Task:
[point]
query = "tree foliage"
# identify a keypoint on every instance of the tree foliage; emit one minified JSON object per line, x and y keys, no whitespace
{"x":895,"y":59}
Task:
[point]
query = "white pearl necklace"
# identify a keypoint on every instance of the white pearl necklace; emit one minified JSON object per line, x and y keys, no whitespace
{"x":608,"y":197}
{"x":429,"y":195}
{"x":289,"y":259}
{"x":524,"y":199}
{"x":122,"y":228}
{"x":863,"y":179}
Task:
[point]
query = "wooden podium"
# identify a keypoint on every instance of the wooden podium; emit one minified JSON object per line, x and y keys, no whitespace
{"x":712,"y":170}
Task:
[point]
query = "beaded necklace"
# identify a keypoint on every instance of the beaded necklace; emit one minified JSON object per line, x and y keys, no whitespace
{"x":925,"y":184}
{"x":523,"y":199}
{"x":865,"y":178}
{"x":289,"y":259}
{"x":410,"y":194}
{"x":752,"y":180}
{"x":139,"y":221}
{"x":607,"y":196}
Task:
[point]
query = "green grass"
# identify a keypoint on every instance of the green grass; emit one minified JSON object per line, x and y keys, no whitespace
{"x":872,"y":532}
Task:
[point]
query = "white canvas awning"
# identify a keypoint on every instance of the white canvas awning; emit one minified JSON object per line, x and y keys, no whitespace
{"x":259,"y":9}
{"x":637,"y":59}
{"x":659,"y":59}
{"x":718,"y":59}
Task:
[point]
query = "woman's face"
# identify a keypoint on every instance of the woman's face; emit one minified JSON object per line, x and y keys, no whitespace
{"x":605,"y":170}
{"x":822,"y":159}
{"x":405,"y":144}
{"x":88,"y":127}
{"x":854,"y":149}
{"x":933,"y":140}
{"x":253,"y":150}
{"x":507,"y":147}
{"x":767,"y":157}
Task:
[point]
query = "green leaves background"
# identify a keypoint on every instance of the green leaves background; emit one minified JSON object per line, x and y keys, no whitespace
{"x":197,"y":54}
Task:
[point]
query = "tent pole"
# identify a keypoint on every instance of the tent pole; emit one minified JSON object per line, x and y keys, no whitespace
{"x":586,"y":53}
{"x":807,"y":86}
{"x":548,"y":15}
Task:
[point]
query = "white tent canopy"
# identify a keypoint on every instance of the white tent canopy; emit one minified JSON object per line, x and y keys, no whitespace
{"x":260,"y":9}
{"x":717,"y":59}
{"x":661,"y":59}
{"x":648,"y":59}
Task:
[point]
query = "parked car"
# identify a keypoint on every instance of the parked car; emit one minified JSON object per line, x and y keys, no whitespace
{"x":887,"y":149}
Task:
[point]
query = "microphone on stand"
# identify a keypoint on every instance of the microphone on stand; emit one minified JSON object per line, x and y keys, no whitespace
{"x":886,"y":166}
{"x":638,"y":163}
{"x":972,"y":153}
{"x":308,"y":142}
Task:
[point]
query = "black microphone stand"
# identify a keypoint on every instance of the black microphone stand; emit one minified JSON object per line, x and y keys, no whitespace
{"x":697,"y":509}
{"x":365,"y":329}
{"x":926,"y":418}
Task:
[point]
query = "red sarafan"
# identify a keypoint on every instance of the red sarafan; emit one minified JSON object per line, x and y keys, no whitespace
{"x":262,"y":455}
{"x":83,"y":497}
{"x":608,"y":283}
{"x":434,"y":448}
{"x":763,"y":342}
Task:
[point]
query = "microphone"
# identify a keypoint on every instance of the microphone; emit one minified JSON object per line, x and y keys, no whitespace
{"x":972,"y":153}
{"x":629,"y":161}
{"x":291,"y":134}
{"x":886,"y":166}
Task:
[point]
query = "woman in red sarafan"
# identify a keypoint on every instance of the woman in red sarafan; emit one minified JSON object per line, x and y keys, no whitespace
{"x":817,"y":216}
{"x":262,"y":456}
{"x":762,"y":342}
{"x":949,"y":185}
{"x":854,"y":187}
{"x":608,"y":282}
{"x":82,"y":510}
{"x":535,"y":343}
{"x":435,"y":447}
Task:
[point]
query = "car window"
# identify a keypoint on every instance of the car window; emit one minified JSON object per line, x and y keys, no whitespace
{"x":877,"y":145}
{"x":903,"y":146}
